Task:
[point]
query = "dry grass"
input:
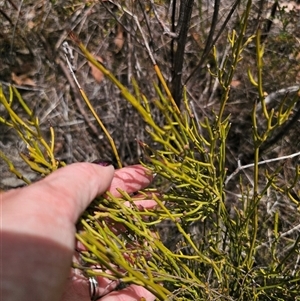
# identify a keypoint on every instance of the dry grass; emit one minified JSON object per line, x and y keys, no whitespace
{"x":32,"y":58}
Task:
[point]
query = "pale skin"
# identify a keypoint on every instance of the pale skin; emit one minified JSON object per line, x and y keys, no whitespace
{"x":38,"y":228}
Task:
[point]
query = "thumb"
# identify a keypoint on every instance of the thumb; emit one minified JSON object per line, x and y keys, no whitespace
{"x":61,"y":197}
{"x":37,"y":229}
{"x":78,"y":184}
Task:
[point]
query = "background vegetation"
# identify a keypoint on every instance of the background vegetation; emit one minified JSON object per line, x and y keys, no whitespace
{"x":226,"y":152}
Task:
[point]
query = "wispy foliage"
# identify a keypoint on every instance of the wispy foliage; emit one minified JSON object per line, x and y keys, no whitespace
{"x":244,"y":250}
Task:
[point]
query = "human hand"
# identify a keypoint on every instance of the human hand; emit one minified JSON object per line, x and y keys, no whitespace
{"x":38,"y":230}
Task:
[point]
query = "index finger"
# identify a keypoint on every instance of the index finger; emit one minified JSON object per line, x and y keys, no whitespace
{"x":130,"y":179}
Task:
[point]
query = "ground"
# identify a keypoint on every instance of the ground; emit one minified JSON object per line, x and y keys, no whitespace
{"x":32,"y":58}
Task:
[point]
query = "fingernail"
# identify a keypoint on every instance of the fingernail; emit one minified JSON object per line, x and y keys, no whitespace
{"x":102,"y":162}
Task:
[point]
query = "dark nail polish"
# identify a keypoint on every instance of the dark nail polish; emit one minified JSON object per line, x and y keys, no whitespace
{"x":102,"y":162}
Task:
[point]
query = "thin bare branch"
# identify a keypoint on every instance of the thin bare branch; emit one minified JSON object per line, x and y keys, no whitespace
{"x":242,"y":167}
{"x":185,"y":18}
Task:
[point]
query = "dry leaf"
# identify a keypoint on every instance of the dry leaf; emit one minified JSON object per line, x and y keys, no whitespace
{"x":30,"y":24}
{"x":119,"y":39}
{"x":96,"y":73}
{"x":235,"y":83}
{"x":197,"y":38}
{"x":22,"y":80}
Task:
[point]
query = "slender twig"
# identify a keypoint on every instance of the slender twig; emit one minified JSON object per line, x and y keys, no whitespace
{"x":146,"y":21}
{"x":282,"y":235}
{"x":112,"y":143}
{"x":84,"y":114}
{"x":185,"y":17}
{"x":19,"y":87}
{"x":210,"y":43}
{"x":272,"y":96}
{"x":269,"y":22}
{"x":166,"y":30}
{"x":173,"y":20}
{"x":13,"y":169}
{"x":15,"y":27}
{"x":217,"y":83}
{"x":241,"y":167}
{"x":118,"y":19}
{"x":151,"y":56}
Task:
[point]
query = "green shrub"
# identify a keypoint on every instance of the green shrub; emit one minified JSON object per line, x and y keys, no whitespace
{"x":232,"y":243}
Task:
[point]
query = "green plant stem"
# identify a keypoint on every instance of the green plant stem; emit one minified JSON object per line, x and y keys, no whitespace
{"x":111,"y":140}
{"x":13,"y":169}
